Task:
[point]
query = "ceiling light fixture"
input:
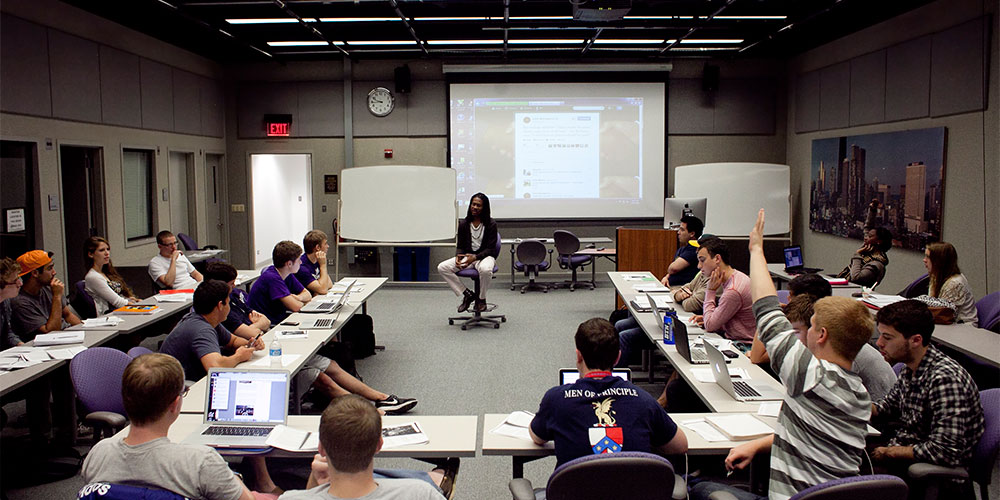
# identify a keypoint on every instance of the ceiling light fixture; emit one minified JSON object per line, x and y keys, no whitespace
{"x":270,"y":20}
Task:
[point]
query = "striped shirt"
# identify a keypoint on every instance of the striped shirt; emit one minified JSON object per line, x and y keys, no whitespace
{"x":823,"y":421}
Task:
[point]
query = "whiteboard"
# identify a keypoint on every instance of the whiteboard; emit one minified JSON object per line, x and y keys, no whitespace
{"x":736,"y":192}
{"x":398,"y":203}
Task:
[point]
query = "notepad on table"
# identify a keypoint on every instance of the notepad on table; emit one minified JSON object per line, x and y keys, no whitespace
{"x":739,"y":426}
{"x":403,"y":435}
{"x":292,"y":439}
{"x":59,"y":338}
{"x":515,"y":425}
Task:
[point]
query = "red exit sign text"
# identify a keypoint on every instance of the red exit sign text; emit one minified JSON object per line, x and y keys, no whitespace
{"x":277,"y":129}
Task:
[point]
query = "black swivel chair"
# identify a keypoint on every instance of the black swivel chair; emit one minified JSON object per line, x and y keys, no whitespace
{"x":628,"y":474}
{"x":531,"y":260}
{"x":477,"y":317}
{"x":567,"y":244}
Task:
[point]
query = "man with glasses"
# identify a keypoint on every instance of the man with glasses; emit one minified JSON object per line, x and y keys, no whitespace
{"x":41,"y":306}
{"x":170,"y":268}
{"x":11,"y":282}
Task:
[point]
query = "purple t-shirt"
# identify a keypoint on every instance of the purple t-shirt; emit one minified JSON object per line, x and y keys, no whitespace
{"x":308,"y":272}
{"x":630,"y":419}
{"x":267,"y":292}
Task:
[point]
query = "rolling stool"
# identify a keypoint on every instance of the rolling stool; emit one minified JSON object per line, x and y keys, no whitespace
{"x":477,"y":317}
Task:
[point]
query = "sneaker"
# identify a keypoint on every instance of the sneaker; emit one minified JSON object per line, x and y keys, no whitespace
{"x":467,"y":299}
{"x":450,"y":469}
{"x":393,"y":405}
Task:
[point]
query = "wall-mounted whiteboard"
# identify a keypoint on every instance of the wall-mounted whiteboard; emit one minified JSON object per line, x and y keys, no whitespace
{"x":736,"y":192}
{"x":398,"y":203}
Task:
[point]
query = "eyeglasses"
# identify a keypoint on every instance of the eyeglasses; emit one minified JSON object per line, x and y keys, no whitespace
{"x":11,"y":283}
{"x":184,"y":392}
{"x":171,"y":244}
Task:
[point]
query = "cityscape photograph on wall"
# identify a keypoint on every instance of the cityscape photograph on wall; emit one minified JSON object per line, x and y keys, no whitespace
{"x":894,"y":178}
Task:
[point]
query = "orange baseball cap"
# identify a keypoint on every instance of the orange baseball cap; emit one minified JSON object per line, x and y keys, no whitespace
{"x":33,"y":260}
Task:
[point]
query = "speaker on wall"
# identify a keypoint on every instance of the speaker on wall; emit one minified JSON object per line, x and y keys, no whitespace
{"x":710,"y":78}
{"x":402,"y":77}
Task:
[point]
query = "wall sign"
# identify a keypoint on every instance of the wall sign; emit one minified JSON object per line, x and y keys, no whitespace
{"x":15,"y":220}
{"x":277,"y":125}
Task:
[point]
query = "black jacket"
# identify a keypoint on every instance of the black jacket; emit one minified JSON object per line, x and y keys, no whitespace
{"x":490,"y":237}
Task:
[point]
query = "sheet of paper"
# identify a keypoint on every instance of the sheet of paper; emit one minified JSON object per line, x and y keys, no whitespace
{"x":705,"y":430}
{"x":705,"y":374}
{"x":506,"y":429}
{"x":880,"y":301}
{"x":403,"y":435}
{"x":16,"y":352}
{"x":290,"y":334}
{"x":175,"y":297}
{"x":291,"y":439}
{"x":286,"y":359}
{"x":663,"y":300}
{"x":650,"y":287}
{"x":59,"y":338}
{"x":66,"y":352}
{"x":520,"y":418}
{"x":769,"y":408}
{"x":102,"y":321}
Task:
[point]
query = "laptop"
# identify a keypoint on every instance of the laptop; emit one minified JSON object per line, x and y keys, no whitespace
{"x":795,"y":264}
{"x":242,"y":407}
{"x":693,"y":355}
{"x":740,"y":390}
{"x":324,"y":323}
{"x":570,"y":375}
{"x":326,"y":305}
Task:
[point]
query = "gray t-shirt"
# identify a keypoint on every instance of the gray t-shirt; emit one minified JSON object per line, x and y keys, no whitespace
{"x":388,"y":489}
{"x":875,"y":372}
{"x":31,"y":312}
{"x":193,"y":471}
{"x":7,"y":336}
{"x":192,"y":338}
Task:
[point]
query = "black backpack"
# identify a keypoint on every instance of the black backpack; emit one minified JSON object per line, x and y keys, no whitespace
{"x":359,"y":333}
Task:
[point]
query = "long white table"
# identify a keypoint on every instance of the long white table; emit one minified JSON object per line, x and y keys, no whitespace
{"x":522,"y":451}
{"x":975,"y":342}
{"x":134,"y":322}
{"x":14,"y":379}
{"x":717,"y":399}
{"x":447,"y":435}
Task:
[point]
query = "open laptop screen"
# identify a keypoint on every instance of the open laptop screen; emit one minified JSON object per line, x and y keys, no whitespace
{"x":247,"y":397}
{"x":793,"y":257}
{"x":570,"y":375}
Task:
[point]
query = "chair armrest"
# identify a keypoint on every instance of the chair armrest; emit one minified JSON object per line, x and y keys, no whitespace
{"x":680,"y":488}
{"x":109,"y":418}
{"x":722,"y":495}
{"x":521,"y":489}
{"x":925,"y":471}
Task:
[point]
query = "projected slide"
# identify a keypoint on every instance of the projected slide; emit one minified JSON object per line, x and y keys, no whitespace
{"x":560,"y":150}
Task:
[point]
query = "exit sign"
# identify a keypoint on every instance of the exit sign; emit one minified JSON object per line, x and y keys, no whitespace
{"x":277,"y":125}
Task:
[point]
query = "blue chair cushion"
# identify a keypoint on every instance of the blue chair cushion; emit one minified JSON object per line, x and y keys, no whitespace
{"x":472,"y":272}
{"x":541,"y":266}
{"x":108,"y":491}
{"x":574,"y":260}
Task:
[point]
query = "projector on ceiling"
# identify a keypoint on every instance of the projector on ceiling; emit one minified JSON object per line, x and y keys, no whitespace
{"x":601,"y":10}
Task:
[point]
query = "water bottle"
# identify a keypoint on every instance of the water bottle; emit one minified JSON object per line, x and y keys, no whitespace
{"x":275,"y":354}
{"x":668,"y":328}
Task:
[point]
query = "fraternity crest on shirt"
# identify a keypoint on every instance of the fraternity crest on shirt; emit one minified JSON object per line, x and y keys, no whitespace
{"x":605,"y":437}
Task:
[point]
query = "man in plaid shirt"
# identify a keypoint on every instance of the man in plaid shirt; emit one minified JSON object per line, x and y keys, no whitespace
{"x":935,"y":399}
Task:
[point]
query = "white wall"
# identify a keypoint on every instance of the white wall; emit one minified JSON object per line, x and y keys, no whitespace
{"x":282,"y":201}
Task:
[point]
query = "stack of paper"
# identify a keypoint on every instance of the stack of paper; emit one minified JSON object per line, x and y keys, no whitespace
{"x":403,"y":435}
{"x":59,"y":338}
{"x":515,"y":425}
{"x":292,"y":439}
{"x":102,"y":321}
{"x":66,"y":353}
{"x":174,"y":297}
{"x":879,"y":301}
{"x":663,"y":301}
{"x":739,"y":426}
{"x":22,"y":357}
{"x":650,"y":287}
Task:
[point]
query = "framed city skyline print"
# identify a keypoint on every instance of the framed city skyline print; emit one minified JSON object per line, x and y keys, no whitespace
{"x":898,"y":175}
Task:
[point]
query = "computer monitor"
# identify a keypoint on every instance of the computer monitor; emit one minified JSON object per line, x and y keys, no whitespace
{"x":675,"y":208}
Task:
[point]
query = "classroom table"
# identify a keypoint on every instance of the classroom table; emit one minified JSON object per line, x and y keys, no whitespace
{"x":522,"y":451}
{"x":14,"y":379}
{"x":196,"y":256}
{"x":714,"y":397}
{"x":134,"y":322}
{"x":448,"y":435}
{"x":607,"y":253}
{"x":513,"y":242}
{"x":779,"y":276}
{"x":972,"y":341}
{"x":246,"y":277}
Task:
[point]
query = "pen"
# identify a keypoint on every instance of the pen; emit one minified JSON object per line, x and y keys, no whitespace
{"x":729,"y":472}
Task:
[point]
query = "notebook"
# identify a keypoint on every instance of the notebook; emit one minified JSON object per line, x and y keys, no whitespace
{"x":739,"y":389}
{"x":242,"y":407}
{"x":327,"y":305}
{"x":570,"y":375}
{"x":795,"y":264}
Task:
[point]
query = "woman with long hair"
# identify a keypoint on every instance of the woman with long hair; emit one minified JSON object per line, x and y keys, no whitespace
{"x":477,"y":246}
{"x":948,"y":282}
{"x":103,"y":283}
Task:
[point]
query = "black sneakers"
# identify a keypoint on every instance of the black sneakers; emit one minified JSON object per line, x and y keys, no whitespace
{"x":467,"y":299}
{"x":394,"y":405}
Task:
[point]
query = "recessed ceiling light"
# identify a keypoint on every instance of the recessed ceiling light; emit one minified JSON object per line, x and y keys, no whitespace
{"x":269,"y":20}
{"x":627,"y":18}
{"x":710,"y":40}
{"x":464,"y":42}
{"x":553,"y":41}
{"x":302,"y":43}
{"x":439,"y":19}
{"x":381,"y":42}
{"x":627,"y":41}
{"x":540,"y":18}
{"x":358,"y":19}
{"x":751,"y":18}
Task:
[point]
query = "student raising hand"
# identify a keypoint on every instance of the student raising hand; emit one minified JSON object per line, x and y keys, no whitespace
{"x":757,"y":233}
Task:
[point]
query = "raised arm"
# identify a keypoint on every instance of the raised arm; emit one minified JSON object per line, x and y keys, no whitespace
{"x":760,"y":279}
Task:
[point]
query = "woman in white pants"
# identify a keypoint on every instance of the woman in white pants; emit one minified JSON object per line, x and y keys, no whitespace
{"x":477,"y":246}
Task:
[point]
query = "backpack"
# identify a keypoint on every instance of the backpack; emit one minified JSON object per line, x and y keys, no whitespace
{"x":359,"y":333}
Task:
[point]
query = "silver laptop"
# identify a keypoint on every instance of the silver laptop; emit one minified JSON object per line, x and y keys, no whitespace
{"x":570,"y":375}
{"x":693,"y":355}
{"x":326,"y":305}
{"x":740,"y":390}
{"x":324,"y":323}
{"x":242,"y":407}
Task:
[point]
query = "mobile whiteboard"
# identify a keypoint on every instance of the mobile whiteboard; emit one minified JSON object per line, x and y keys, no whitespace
{"x":398,"y":204}
{"x":736,"y":192}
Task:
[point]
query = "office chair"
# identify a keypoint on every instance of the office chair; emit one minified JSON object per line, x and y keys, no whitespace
{"x":568,"y":244}
{"x":984,"y":456}
{"x":874,"y":487}
{"x":628,"y":474}
{"x":82,"y":302}
{"x":111,"y":491}
{"x":190,"y":245}
{"x":988,"y":311}
{"x":531,"y":260}
{"x":97,"y":378}
{"x":917,"y":288}
{"x":477,"y":317}
{"x":137,"y":351}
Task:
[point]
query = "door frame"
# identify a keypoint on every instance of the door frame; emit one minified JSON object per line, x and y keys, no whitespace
{"x":222,"y":187}
{"x":251,"y":235}
{"x":192,"y":191}
{"x":100,"y":198}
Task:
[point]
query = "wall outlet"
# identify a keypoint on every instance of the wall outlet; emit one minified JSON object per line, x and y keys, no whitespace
{"x":238,"y":207}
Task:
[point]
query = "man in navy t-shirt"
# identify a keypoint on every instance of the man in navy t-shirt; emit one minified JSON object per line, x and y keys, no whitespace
{"x":277,"y":291}
{"x":601,"y":413}
{"x":312,"y":272}
{"x":685,"y":265}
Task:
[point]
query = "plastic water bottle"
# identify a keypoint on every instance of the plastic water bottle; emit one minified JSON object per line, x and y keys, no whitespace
{"x":275,"y":354}
{"x":668,"y":328}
